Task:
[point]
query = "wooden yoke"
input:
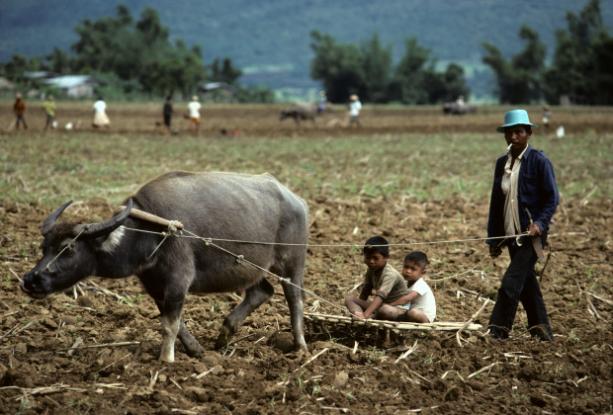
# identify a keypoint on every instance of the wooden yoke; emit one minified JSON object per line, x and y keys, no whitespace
{"x":150,"y":217}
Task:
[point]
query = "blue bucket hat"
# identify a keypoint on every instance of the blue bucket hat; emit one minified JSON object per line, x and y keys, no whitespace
{"x":515,"y":117}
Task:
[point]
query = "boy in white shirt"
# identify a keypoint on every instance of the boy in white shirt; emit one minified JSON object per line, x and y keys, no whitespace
{"x":419,"y":303}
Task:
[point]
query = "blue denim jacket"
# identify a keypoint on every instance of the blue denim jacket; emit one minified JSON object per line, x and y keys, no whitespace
{"x":537,"y":194}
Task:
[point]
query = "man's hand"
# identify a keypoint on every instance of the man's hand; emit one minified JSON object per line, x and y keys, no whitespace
{"x":534,"y":230}
{"x":495,"y":251}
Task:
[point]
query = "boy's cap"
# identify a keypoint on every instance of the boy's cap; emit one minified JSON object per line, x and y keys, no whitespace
{"x":515,"y":117}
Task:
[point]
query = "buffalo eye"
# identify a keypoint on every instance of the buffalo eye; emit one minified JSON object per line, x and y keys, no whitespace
{"x":70,"y":248}
{"x":67,"y":248}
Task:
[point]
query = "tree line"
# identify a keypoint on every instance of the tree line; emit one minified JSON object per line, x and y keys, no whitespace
{"x":131,"y":56}
{"x":137,"y":57}
{"x":580,"y":69}
{"x":367,"y":70}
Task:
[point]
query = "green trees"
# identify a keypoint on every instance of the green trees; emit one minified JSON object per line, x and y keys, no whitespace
{"x":129,"y":56}
{"x":519,"y":79}
{"x":368,"y":71}
{"x":582,"y":62}
{"x":338,"y":66}
{"x":137,"y":52}
{"x":224,"y":71}
{"x":580,"y":69}
{"x":376,"y":64}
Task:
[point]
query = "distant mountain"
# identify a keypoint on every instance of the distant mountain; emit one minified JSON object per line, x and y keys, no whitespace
{"x":270,"y":39}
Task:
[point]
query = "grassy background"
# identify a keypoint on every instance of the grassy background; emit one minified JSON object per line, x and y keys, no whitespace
{"x":48,"y":169}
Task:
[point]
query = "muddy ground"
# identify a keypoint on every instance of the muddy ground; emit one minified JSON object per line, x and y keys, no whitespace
{"x":257,"y":374}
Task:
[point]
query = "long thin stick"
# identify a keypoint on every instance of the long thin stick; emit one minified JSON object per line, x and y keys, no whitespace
{"x":314,"y":357}
{"x":103,"y":345}
{"x":407,"y":353}
{"x":16,"y":330}
{"x":472,"y":318}
{"x":43,"y":390}
{"x":604,"y":300}
{"x":106,"y":291}
{"x":483,"y":369}
{"x":15,"y":275}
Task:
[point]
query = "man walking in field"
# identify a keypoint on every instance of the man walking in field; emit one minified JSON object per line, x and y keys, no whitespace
{"x":355,"y":106}
{"x":49,"y":108}
{"x":19,"y":109}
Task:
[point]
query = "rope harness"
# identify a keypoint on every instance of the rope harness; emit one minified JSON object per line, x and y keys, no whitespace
{"x":176,"y":229}
{"x":69,"y":245}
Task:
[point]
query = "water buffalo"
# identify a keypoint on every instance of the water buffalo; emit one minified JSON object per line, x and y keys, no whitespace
{"x":216,"y":205}
{"x":455,"y":108}
{"x":299,"y":114}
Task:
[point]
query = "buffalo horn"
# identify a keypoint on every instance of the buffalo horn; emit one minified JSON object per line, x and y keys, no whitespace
{"x":52,"y":218}
{"x":94,"y":230}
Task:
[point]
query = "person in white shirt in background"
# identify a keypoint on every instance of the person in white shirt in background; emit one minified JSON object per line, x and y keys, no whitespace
{"x":419,"y":303}
{"x":355,"y":106}
{"x":101,"y":120}
{"x":194,"y":113}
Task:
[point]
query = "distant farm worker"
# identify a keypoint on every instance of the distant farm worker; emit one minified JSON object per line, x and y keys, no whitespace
{"x":19,"y":109}
{"x":194,"y":113}
{"x":382,"y":279}
{"x":355,"y":106}
{"x":546,"y":118}
{"x":101,"y":120}
{"x":167,"y":113}
{"x":419,"y":304}
{"x":523,"y":200}
{"x":322,"y":104}
{"x":49,"y":108}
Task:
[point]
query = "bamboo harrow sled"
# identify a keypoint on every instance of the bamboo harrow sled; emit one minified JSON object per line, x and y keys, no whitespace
{"x":394,"y":325}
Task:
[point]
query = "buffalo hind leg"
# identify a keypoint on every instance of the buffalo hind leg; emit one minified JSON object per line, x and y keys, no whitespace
{"x":294,"y":297}
{"x":255,"y":296}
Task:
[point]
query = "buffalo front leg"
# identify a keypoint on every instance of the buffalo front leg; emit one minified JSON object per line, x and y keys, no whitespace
{"x":169,"y":300}
{"x":255,"y":296}
{"x":193,"y":348}
{"x":170,"y":329}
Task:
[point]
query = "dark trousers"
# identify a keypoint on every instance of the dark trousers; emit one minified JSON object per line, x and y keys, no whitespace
{"x":520,"y":284}
{"x":20,"y":119}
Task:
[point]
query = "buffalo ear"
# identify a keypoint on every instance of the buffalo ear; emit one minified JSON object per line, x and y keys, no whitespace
{"x":94,"y":230}
{"x":48,"y":223}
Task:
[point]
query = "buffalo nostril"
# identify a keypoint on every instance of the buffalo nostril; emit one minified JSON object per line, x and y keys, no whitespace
{"x":31,"y":283}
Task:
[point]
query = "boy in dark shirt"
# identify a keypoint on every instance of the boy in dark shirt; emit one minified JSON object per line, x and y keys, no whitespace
{"x":387,"y":284}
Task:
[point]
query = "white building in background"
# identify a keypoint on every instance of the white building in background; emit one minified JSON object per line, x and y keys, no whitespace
{"x":74,"y":86}
{"x":6,"y":85}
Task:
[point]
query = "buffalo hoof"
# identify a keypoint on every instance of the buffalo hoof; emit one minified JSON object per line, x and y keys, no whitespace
{"x":223,"y":339}
{"x":283,"y":341}
{"x":194,"y":350}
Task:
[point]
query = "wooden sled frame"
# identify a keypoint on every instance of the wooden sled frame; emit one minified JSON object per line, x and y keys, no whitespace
{"x":395,"y":325}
